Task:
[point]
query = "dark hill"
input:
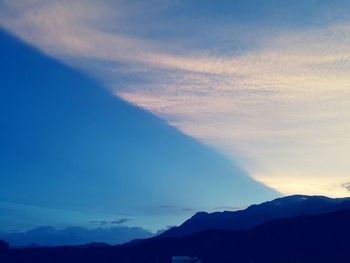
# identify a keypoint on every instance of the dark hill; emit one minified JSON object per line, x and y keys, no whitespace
{"x":256,"y":214}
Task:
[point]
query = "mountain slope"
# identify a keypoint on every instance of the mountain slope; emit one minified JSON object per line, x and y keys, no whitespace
{"x":256,"y":214}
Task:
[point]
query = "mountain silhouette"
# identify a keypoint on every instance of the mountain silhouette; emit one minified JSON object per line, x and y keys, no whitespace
{"x":304,"y":239}
{"x":4,"y":245}
{"x":49,"y":236}
{"x":256,"y":214}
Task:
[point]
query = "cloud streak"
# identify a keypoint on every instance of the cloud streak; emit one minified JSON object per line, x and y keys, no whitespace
{"x":280,"y":102}
{"x":113,"y":222}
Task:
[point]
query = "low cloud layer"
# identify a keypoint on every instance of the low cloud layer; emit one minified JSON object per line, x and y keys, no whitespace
{"x":49,"y":236}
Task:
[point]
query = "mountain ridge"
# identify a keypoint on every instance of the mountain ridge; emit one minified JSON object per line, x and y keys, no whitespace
{"x":319,"y":238}
{"x":253,"y":215}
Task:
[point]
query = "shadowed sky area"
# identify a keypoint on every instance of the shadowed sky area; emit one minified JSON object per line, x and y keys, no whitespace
{"x":264,"y":82}
{"x":72,"y":154}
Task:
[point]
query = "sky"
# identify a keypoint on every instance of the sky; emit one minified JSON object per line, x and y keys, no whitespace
{"x":265,"y":84}
{"x":74,"y":155}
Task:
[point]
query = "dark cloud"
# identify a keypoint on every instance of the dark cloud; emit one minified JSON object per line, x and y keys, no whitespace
{"x":120,"y":221}
{"x":346,"y":186}
{"x":114,"y":222}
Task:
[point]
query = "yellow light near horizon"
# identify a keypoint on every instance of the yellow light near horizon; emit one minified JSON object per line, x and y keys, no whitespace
{"x":308,"y":185}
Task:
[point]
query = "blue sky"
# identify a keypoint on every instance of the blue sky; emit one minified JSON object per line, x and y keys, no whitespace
{"x":72,"y":154}
{"x":263,"y":83}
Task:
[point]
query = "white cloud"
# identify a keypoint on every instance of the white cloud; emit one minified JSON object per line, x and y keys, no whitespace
{"x":283,"y":105}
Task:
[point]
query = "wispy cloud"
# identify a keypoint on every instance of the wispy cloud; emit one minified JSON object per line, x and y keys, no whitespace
{"x":112,"y":222}
{"x":346,"y":186}
{"x":120,"y":221}
{"x":277,"y":94}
